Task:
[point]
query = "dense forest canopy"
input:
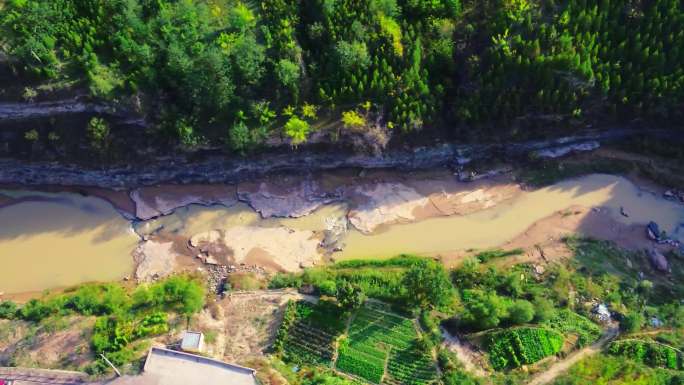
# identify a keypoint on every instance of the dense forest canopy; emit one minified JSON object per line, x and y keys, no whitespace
{"x":236,"y":71}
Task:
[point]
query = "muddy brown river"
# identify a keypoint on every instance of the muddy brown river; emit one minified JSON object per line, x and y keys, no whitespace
{"x":59,"y":239}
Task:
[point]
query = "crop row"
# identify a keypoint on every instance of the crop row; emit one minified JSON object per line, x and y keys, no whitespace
{"x":360,"y":364}
{"x":515,"y":347}
{"x":305,"y":337}
{"x":651,"y":353}
{"x":411,"y":366}
{"x":376,"y":334}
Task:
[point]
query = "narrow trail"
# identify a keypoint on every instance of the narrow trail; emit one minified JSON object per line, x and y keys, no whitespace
{"x":562,"y":366}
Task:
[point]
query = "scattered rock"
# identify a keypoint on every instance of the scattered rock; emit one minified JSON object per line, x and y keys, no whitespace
{"x":335,"y":231}
{"x":677,"y":195}
{"x":623,"y":212}
{"x":601,"y":313}
{"x":658,"y":261}
{"x":210,"y":260}
{"x":653,"y":231}
{"x":560,"y":151}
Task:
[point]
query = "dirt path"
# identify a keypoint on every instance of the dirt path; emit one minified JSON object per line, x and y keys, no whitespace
{"x":464,"y":353}
{"x":562,"y":366}
{"x":42,"y":376}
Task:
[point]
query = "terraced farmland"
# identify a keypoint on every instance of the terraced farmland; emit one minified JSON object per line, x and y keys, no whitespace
{"x":311,"y":334}
{"x":382,"y":347}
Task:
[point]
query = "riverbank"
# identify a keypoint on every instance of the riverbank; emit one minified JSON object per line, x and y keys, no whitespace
{"x":286,"y":223}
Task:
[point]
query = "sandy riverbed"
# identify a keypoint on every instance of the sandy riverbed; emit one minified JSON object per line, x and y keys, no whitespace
{"x":65,"y":238}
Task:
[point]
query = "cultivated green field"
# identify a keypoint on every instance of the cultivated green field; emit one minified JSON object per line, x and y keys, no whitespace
{"x":378,"y":346}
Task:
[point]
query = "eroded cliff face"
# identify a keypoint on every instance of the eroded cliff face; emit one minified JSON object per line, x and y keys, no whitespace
{"x":215,"y":167}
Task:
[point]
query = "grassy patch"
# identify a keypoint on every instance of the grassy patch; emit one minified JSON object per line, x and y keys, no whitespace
{"x":125,"y":318}
{"x":381,"y":279}
{"x":245,"y":281}
{"x":600,"y":369}
{"x":488,"y":255}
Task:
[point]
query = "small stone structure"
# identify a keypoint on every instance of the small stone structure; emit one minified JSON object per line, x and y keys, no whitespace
{"x":192,"y":342}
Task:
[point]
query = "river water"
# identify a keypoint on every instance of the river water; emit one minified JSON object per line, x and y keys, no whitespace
{"x":59,"y":239}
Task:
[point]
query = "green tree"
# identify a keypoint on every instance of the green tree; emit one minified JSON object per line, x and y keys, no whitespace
{"x":288,"y":73}
{"x":483,"y":310}
{"x":543,"y":310}
{"x":427,"y":284}
{"x":520,"y":312}
{"x":349,"y":296}
{"x":352,"y":56}
{"x":240,"y":138}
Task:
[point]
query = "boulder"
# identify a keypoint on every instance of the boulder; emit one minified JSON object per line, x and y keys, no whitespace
{"x":653,"y":231}
{"x":623,"y":212}
{"x":658,"y":261}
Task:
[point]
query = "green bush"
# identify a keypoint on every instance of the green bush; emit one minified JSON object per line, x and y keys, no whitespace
{"x":8,"y":310}
{"x":520,"y":312}
{"x":632,"y":322}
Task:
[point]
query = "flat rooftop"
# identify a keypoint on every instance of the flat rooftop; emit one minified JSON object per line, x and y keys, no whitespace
{"x":169,"y":367}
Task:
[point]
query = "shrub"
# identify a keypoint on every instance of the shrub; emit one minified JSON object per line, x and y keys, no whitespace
{"x":297,"y":130}
{"x":520,"y":312}
{"x":328,"y":287}
{"x":8,"y":310}
{"x":352,"y":119}
{"x":632,"y":322}
{"x":98,"y":133}
{"x":543,"y":310}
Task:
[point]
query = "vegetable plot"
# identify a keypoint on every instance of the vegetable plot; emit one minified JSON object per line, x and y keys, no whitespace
{"x":308,"y":333}
{"x":378,"y":340}
{"x":516,"y":347}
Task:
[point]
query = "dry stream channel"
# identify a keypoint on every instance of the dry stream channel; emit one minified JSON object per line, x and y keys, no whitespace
{"x":50,"y":240}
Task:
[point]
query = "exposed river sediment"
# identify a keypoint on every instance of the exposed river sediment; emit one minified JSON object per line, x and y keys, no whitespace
{"x":59,"y":239}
